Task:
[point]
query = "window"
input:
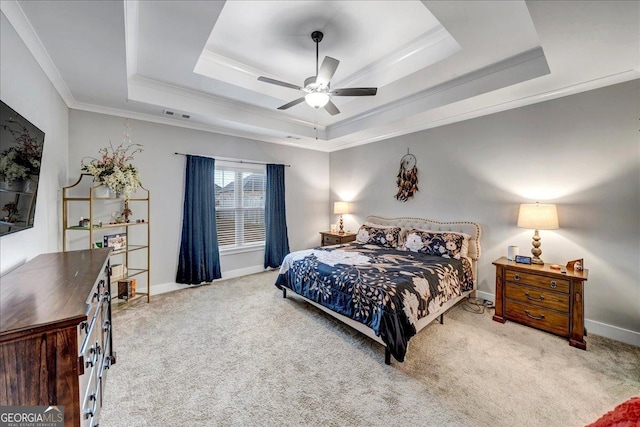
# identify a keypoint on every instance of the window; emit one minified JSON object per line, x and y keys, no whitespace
{"x":240,"y":196}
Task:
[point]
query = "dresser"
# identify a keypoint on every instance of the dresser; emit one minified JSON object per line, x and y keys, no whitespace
{"x":55,"y":334}
{"x":334,"y":238}
{"x":542,"y":297}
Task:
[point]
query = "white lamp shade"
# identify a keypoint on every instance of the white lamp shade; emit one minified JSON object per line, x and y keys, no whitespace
{"x":316,"y":99}
{"x":538,"y":216}
{"x":340,"y":208}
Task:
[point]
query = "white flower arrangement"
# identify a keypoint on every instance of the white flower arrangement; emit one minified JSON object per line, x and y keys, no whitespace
{"x":114,"y":169}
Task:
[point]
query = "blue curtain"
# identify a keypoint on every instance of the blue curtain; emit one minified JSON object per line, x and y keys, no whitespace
{"x":275,"y":218}
{"x":199,"y":257}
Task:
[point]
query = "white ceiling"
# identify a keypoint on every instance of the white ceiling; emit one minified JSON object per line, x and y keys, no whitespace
{"x":434,"y":62}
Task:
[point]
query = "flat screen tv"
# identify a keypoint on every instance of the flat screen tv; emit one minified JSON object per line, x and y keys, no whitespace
{"x":21,"y":146}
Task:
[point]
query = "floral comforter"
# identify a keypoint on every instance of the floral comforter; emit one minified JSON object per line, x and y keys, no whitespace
{"x":385,"y":289}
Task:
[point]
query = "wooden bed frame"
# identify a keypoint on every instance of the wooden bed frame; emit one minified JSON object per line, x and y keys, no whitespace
{"x":470,"y":228}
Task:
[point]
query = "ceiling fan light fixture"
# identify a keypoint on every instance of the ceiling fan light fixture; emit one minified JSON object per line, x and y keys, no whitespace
{"x":317,"y":99}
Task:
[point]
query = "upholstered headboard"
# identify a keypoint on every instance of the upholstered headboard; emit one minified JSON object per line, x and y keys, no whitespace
{"x":468,"y":227}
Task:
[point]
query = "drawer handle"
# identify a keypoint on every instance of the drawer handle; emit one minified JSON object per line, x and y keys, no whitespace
{"x":91,"y":362}
{"x":107,"y":326}
{"x":553,"y":284}
{"x":88,"y":414}
{"x":516,"y":277}
{"x":534,"y":317}
{"x":541,"y":298}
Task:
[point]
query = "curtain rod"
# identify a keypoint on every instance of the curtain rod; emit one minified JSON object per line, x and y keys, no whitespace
{"x":230,"y":159}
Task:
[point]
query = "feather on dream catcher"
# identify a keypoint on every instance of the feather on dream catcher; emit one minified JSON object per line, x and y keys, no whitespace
{"x":407,"y":178}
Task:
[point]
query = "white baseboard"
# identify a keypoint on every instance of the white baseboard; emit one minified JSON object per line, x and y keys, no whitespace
{"x":593,"y":327}
{"x":485,"y":296}
{"x":242,"y":272}
{"x":613,"y":332}
{"x":172,"y":286}
{"x":167,"y":287}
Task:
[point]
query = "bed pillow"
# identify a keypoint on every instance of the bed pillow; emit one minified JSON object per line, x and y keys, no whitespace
{"x":447,"y":244}
{"x":387,"y":237}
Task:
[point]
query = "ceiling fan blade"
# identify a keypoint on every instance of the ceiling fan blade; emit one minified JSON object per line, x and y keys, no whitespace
{"x":355,"y":91}
{"x":278,"y":82}
{"x":327,"y":70}
{"x":291,"y":104}
{"x":331,"y":108}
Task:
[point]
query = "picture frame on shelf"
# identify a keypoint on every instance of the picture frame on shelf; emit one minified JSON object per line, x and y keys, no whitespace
{"x":116,"y":241}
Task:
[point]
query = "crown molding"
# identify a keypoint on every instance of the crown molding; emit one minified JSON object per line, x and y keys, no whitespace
{"x":515,"y":69}
{"x":438,"y":36}
{"x":499,"y":107}
{"x":18,"y":20}
{"x":99,"y":109}
{"x":165,"y":95}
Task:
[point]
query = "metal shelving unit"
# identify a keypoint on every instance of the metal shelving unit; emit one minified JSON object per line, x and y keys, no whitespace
{"x":72,"y":202}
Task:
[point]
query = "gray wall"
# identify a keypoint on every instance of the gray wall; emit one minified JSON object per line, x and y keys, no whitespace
{"x":162,"y":172}
{"x":26,"y":89}
{"x":581,"y":152}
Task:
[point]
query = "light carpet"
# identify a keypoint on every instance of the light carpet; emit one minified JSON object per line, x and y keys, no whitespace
{"x":235,"y":353}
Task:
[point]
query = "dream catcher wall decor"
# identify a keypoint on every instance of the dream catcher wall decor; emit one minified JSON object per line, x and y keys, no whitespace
{"x":407,"y":178}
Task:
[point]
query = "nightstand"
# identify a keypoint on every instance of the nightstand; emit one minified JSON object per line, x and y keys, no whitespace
{"x":335,"y":238}
{"x":543,"y":298}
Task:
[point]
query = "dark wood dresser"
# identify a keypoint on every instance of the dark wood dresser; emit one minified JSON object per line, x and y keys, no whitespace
{"x":55,"y":334}
{"x":336,"y":238}
{"x":543,"y":298}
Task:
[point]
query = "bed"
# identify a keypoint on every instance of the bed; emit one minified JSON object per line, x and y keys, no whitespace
{"x":399,"y":276}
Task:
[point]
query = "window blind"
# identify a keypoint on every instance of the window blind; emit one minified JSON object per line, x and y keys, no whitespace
{"x":240,"y":197}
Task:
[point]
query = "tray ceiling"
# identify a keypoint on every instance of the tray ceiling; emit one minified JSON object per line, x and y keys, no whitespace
{"x":433,"y":62}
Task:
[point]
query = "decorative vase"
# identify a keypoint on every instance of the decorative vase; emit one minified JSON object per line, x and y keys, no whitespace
{"x":102,"y":192}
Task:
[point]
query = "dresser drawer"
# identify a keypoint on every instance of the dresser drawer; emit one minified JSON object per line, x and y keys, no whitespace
{"x":538,"y":297}
{"x":330,"y":240}
{"x":539,"y":281}
{"x":538,"y":317}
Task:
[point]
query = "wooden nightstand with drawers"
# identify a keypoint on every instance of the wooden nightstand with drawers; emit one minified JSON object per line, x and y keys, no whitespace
{"x":334,"y":238}
{"x":543,"y":298}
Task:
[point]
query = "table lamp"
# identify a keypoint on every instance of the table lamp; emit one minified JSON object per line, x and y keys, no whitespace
{"x":538,"y":217}
{"x":340,"y":208}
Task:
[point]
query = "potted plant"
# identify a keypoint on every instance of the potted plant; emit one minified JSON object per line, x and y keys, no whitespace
{"x":20,"y":161}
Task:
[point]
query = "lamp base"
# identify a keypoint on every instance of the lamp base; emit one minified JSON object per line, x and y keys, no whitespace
{"x":536,"y":251}
{"x":341,"y":226}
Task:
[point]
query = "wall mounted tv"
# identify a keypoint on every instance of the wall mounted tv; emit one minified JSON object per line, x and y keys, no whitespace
{"x":21,"y":146}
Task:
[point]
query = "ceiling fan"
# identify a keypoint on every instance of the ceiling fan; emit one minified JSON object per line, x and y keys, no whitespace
{"x":317,"y":88}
